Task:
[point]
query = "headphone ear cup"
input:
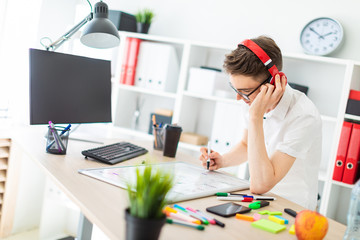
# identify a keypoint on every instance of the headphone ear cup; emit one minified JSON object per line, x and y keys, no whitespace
{"x":272,"y":81}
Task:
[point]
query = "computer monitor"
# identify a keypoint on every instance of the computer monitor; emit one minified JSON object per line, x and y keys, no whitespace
{"x":66,"y":88}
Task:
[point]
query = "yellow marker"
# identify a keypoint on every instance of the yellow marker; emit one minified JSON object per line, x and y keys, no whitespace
{"x":277,"y":220}
{"x":244,"y":217}
{"x":292,"y":229}
{"x":169,"y":209}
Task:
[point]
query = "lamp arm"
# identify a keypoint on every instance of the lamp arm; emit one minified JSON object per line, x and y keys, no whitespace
{"x":53,"y":46}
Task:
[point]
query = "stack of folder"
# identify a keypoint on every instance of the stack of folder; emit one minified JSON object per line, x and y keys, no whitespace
{"x":346,"y":167}
{"x":129,"y":61}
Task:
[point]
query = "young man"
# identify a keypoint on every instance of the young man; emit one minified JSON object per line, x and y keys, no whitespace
{"x":282,"y":138}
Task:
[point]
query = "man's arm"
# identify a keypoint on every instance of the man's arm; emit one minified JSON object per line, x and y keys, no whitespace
{"x":265,"y":172}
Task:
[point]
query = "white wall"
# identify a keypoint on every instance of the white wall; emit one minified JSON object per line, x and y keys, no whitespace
{"x":230,"y":21}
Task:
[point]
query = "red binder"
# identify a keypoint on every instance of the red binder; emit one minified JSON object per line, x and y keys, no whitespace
{"x":351,"y":170}
{"x":124,"y":63}
{"x":342,"y":151}
{"x":132,"y":61}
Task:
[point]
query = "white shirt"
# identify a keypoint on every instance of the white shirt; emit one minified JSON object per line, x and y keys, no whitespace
{"x":294,"y":128}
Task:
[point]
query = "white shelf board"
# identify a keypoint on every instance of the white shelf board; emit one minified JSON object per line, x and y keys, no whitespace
{"x":328,"y":119}
{"x":207,"y":97}
{"x":152,"y":37}
{"x":352,"y":117}
{"x":147,"y":91}
{"x":320,"y":59}
{"x":342,"y":184}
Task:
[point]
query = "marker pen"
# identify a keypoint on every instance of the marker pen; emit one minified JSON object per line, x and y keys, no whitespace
{"x":290,"y":212}
{"x":208,"y":152}
{"x":236,"y":198}
{"x":179,"y":222}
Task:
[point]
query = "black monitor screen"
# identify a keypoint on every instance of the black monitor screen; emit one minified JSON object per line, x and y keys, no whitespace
{"x":66,"y":88}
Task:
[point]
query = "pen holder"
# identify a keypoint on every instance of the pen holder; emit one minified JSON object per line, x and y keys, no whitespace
{"x":57,"y":140}
{"x":158,"y":138}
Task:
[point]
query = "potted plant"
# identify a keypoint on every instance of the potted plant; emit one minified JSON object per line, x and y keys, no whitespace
{"x":143,"y":20}
{"x":147,"y":198}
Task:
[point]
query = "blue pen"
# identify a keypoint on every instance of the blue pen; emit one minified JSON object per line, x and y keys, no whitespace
{"x":62,"y":133}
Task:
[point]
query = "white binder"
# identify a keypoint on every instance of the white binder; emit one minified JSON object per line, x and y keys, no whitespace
{"x":158,"y":67}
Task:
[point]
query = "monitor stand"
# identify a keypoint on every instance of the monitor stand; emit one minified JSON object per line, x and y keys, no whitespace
{"x":89,"y":132}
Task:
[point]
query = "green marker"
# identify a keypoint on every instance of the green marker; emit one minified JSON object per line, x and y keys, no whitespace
{"x":173,"y":221}
{"x":223,"y":194}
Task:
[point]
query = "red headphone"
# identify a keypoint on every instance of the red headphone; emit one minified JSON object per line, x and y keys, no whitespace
{"x":264,"y":58}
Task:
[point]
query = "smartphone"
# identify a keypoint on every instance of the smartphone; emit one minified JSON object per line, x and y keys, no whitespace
{"x":228,"y":209}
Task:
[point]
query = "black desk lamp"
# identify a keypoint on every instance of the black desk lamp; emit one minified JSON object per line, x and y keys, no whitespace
{"x":99,"y":33}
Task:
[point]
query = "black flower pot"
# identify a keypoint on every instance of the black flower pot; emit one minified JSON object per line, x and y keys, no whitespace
{"x":143,"y":27}
{"x":143,"y":228}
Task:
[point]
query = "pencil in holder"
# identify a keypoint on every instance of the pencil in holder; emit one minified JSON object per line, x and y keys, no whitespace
{"x":57,"y":140}
{"x":158,"y":133}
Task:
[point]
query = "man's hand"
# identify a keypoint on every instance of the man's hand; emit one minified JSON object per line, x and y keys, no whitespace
{"x":268,"y":97}
{"x":216,"y":160}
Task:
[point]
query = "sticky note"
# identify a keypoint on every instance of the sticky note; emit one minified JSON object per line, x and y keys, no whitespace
{"x":277,"y":220}
{"x":285,"y":220}
{"x":244,"y":217}
{"x":264,"y":212}
{"x":268,"y":225}
{"x":275,"y":213}
{"x":256,"y":216}
{"x":292,"y":229}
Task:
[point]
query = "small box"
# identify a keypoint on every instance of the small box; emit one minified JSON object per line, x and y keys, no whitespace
{"x":207,"y":81}
{"x":123,"y":21}
{"x":164,"y":112}
{"x":193,"y":138}
{"x":353,"y":104}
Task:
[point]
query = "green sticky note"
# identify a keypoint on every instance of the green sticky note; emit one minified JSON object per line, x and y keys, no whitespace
{"x":264,"y":212}
{"x":269,"y":226}
{"x":275,"y":213}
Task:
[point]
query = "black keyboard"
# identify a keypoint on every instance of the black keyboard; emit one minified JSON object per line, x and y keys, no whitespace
{"x":115,"y":153}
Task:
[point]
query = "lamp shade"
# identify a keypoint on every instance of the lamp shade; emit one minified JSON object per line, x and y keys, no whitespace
{"x":100,"y":32}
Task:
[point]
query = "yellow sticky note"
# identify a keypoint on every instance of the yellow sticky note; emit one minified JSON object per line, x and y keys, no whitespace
{"x":292,"y":229}
{"x":277,"y":220}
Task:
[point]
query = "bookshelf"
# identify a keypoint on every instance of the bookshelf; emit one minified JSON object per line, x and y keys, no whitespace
{"x":329,"y":81}
{"x":5,"y":192}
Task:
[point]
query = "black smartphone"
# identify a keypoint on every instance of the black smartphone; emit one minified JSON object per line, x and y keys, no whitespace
{"x":228,"y":209}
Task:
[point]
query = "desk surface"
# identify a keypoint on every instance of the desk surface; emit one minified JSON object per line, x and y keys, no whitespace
{"x":104,"y":204}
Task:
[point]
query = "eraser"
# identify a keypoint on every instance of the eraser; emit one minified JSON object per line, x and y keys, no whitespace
{"x":285,"y":220}
{"x":277,"y":220}
{"x":275,"y":213}
{"x":268,"y":225}
{"x":244,"y":217}
{"x":256,"y":216}
{"x":292,"y":229}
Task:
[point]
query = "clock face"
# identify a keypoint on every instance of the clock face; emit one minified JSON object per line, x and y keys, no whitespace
{"x":321,"y":36}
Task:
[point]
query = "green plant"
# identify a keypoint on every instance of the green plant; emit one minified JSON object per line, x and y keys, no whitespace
{"x":147,"y":194}
{"x":144,"y":16}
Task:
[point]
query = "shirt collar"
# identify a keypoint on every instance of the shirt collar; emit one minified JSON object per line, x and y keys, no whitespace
{"x":282,"y":108}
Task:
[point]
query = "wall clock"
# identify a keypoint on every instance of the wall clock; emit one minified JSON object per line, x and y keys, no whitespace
{"x":321,"y":36}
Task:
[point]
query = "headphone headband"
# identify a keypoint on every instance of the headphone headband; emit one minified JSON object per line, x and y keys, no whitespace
{"x":262,"y":55}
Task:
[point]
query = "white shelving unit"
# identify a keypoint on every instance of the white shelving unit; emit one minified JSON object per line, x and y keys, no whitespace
{"x":329,"y":81}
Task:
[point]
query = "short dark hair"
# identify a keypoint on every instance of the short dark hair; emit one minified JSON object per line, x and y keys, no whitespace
{"x":242,"y":61}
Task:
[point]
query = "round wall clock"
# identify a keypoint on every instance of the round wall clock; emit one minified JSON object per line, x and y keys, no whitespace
{"x":321,"y":36}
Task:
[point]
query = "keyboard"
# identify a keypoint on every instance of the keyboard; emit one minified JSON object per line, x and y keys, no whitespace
{"x":115,"y":153}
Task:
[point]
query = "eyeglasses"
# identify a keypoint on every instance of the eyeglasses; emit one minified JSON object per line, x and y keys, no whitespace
{"x":246,"y":96}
